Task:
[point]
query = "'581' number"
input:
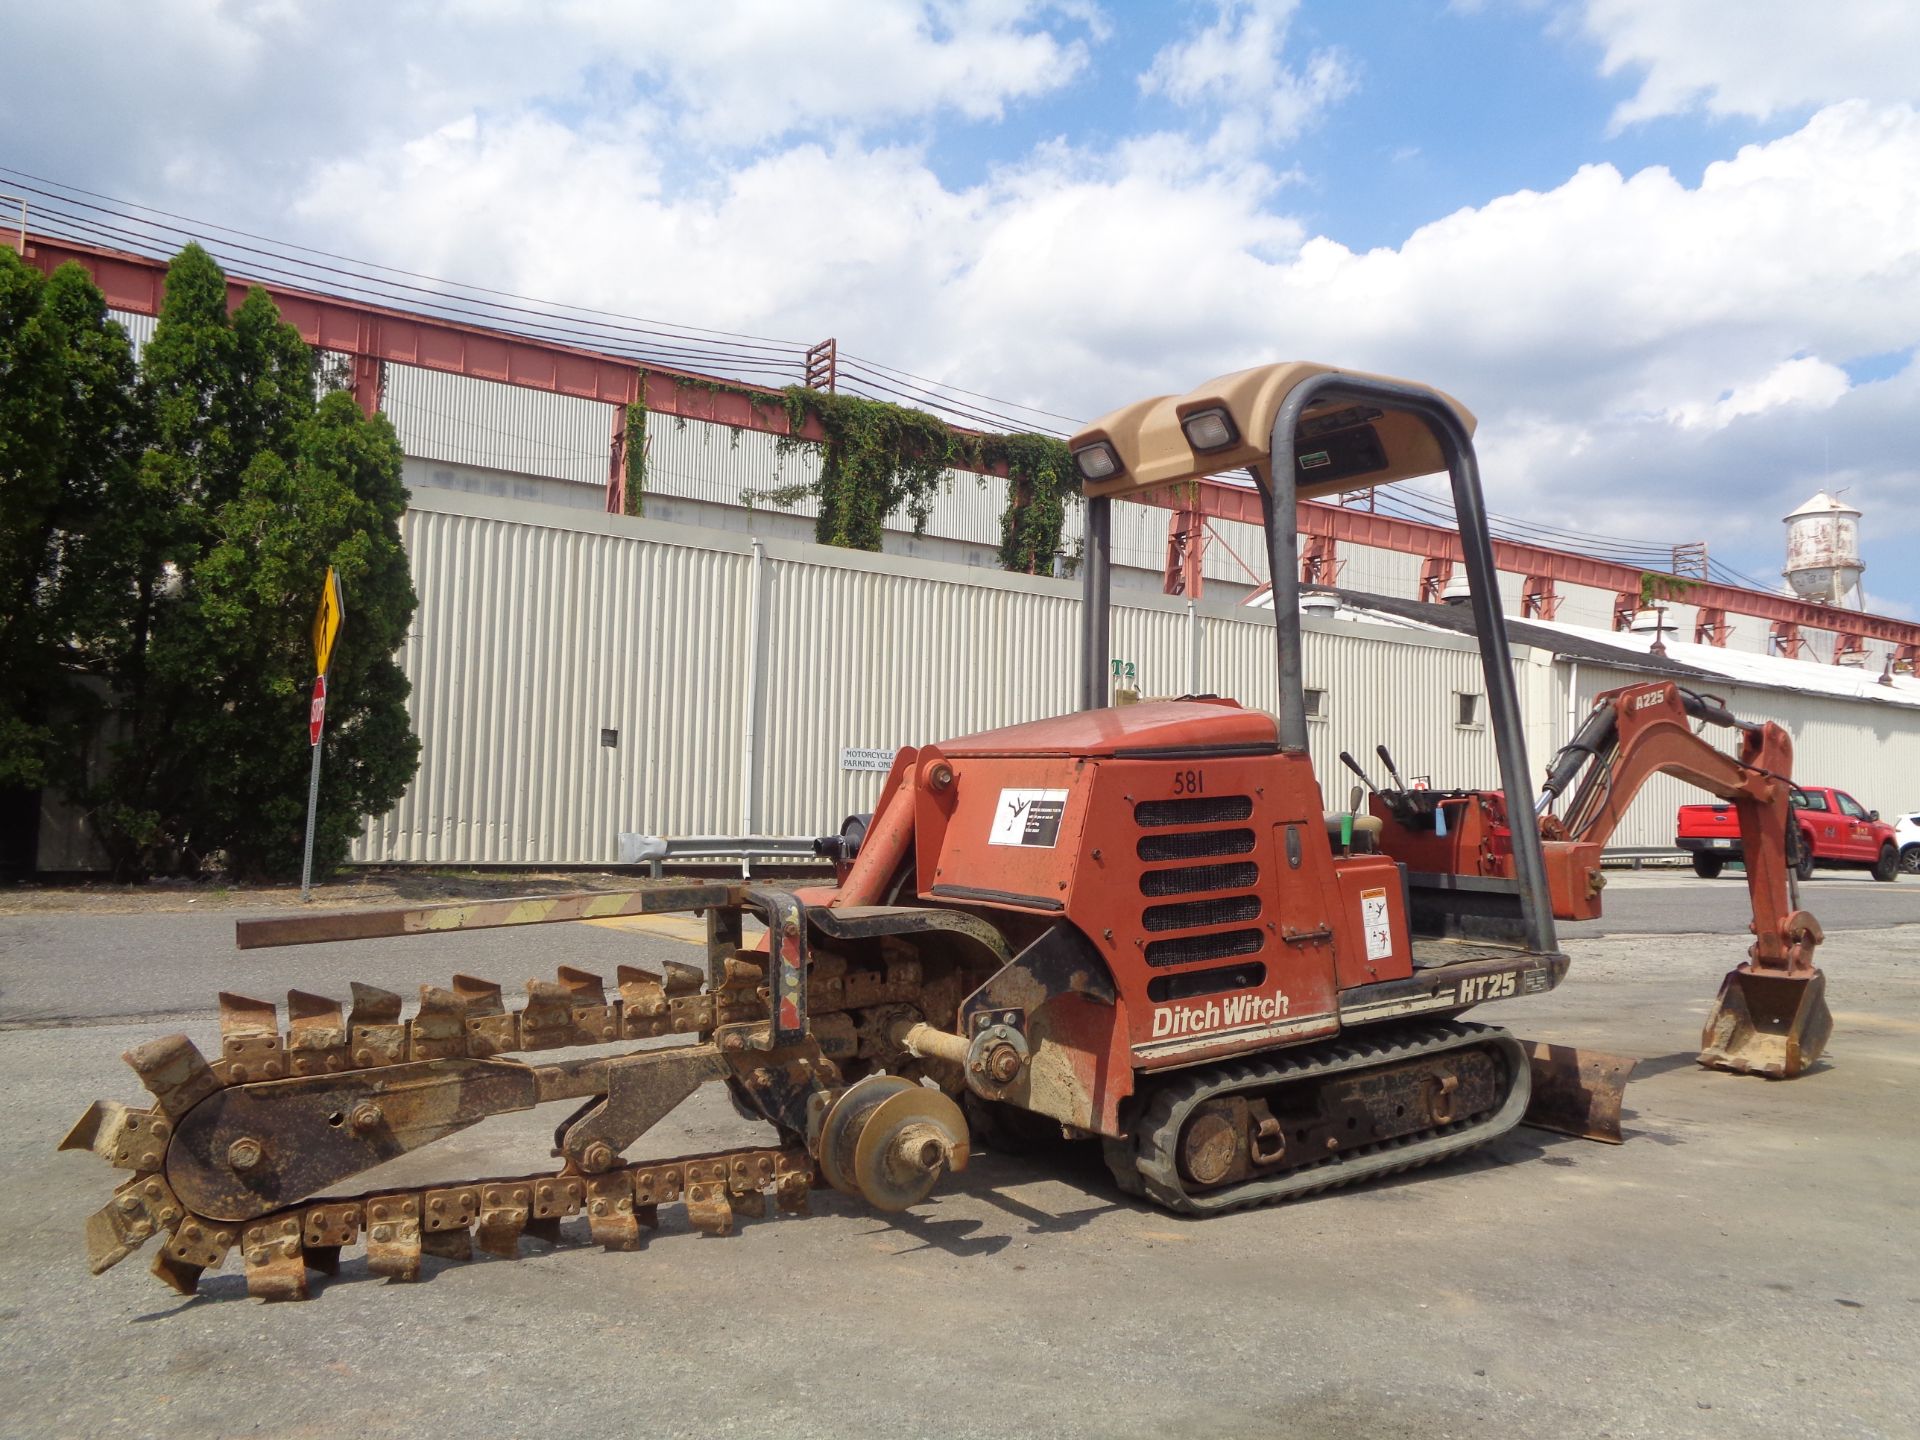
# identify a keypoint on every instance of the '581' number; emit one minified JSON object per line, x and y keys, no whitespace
{"x":1189,"y":782}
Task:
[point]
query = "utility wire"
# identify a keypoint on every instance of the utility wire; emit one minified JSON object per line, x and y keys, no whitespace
{"x":682,"y":346}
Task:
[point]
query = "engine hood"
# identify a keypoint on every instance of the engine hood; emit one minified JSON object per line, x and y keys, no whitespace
{"x":1161,"y":727}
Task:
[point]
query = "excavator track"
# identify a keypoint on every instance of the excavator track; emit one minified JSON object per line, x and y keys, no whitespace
{"x":365,"y":1086}
{"x":1150,"y":1165}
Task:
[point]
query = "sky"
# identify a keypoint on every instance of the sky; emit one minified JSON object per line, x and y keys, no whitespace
{"x":1668,"y":251}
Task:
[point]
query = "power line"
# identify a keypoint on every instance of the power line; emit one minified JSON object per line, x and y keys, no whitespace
{"x":681,"y":346}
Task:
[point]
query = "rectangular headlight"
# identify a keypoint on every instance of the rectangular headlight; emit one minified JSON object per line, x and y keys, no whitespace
{"x":1096,"y":461}
{"x":1210,"y":430}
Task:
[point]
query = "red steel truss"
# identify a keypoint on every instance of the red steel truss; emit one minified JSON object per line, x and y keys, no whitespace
{"x":376,"y":336}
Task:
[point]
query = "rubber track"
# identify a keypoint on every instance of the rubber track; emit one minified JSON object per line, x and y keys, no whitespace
{"x":1148,"y":1168}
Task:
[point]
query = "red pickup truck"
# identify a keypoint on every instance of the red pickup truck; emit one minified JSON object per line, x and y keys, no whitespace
{"x":1830,"y":828}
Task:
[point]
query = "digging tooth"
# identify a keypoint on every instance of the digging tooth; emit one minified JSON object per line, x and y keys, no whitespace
{"x":504,"y":1210}
{"x":174,"y":1072}
{"x":325,"y":1229}
{"x":250,"y":1044}
{"x":482,"y":997}
{"x":447,"y":1221}
{"x":375,"y":1034}
{"x":138,"y":1208}
{"x":125,"y":1138}
{"x":374,"y":1006}
{"x":196,"y":1247}
{"x":316,"y":1035}
{"x":587,"y":988}
{"x":276,"y":1269}
{"x":393,"y":1236}
{"x":594,"y":1021}
{"x":548,"y":1019}
{"x":643,"y":1004}
{"x":439,"y":1030}
{"x":610,"y":1211}
{"x":683,"y":979}
{"x":708,"y":1207}
{"x":491,"y":1028}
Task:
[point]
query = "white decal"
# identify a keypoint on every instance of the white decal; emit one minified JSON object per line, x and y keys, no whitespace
{"x":1028,"y":817}
{"x":1376,"y":919}
{"x":1222,"y":1014}
{"x":1476,"y":988}
{"x":855,"y":758}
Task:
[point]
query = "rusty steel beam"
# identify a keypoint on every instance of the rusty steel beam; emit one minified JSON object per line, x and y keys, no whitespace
{"x":479,"y":915}
{"x":377,"y":335}
{"x":1241,"y":503}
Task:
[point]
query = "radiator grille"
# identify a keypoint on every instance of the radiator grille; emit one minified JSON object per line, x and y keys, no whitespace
{"x":1198,"y":914}
{"x":1195,"y":846}
{"x":1191,"y":879}
{"x":1186,"y":949}
{"x":1196,"y":810}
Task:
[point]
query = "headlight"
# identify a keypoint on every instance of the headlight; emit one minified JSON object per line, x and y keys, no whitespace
{"x":1210,"y":430}
{"x":1097,"y":461}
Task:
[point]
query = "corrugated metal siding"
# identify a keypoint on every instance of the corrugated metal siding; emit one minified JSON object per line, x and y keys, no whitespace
{"x":502,"y":427}
{"x":863,"y":658}
{"x":539,"y":628}
{"x":529,"y":641}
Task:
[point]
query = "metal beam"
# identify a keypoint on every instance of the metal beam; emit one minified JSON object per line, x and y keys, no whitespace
{"x":374,"y":333}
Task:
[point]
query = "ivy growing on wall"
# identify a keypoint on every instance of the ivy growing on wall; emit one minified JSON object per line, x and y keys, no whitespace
{"x":1662,"y":587}
{"x":636,"y":487}
{"x":879,"y":457}
{"x":1040,"y":481}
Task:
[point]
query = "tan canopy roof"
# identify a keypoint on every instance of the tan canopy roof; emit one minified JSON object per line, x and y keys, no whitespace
{"x":1339,"y":446}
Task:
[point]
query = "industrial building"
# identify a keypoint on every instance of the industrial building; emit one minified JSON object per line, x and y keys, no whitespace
{"x":580,"y":673}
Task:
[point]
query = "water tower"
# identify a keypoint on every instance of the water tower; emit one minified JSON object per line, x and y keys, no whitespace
{"x":1823,"y":553}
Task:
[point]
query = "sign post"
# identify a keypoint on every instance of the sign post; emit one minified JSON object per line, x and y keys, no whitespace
{"x":327,"y":621}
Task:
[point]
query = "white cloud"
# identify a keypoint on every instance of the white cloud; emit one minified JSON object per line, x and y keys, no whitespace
{"x":1235,"y":68}
{"x":1646,"y":356}
{"x":1756,"y":58}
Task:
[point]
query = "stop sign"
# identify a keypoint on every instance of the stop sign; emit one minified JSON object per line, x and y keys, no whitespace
{"x":317,"y":716}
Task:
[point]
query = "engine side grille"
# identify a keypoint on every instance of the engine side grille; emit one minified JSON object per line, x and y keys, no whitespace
{"x":1195,"y":810}
{"x":1190,"y":879}
{"x":1186,"y":949}
{"x":1194,"y":914}
{"x":1195,"y":846}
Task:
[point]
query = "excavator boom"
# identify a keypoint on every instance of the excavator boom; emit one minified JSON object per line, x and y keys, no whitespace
{"x":1770,"y":1017}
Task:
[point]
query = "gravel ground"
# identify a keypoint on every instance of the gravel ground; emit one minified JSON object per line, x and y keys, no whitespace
{"x":1743,"y":1266}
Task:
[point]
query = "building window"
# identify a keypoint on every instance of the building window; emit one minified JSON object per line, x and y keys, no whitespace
{"x":1316,"y":704}
{"x":1466,"y":709}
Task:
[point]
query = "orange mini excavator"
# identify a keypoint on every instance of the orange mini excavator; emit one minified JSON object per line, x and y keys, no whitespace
{"x":1138,"y":924}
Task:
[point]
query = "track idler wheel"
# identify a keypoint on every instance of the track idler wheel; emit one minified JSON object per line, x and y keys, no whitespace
{"x":887,"y":1141}
{"x":1767,"y":1024}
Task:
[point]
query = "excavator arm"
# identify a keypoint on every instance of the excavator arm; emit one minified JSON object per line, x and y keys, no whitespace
{"x":1771,"y":1016}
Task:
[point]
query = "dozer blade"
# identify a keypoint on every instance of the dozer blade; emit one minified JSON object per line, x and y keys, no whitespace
{"x":1767,"y":1024}
{"x":1576,"y":1092}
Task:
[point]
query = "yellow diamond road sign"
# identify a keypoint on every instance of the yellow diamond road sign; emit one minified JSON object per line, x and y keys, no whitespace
{"x":327,"y":621}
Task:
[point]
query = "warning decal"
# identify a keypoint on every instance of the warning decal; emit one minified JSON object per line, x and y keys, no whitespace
{"x":1028,"y":817}
{"x":1376,"y":922}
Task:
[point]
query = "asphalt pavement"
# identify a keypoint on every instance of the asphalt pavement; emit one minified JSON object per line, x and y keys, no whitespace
{"x":1744,"y":1266}
{"x":1675,"y":901}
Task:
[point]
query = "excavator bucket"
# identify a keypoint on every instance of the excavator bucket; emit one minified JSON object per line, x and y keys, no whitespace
{"x":1767,"y":1024}
{"x":1576,"y":1092}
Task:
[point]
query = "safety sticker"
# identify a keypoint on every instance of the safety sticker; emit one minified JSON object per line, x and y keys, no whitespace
{"x":1375,"y":920}
{"x":1028,"y":817}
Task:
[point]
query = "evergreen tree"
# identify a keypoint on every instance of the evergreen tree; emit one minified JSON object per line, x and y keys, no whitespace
{"x":69,"y":431}
{"x":247,"y":492}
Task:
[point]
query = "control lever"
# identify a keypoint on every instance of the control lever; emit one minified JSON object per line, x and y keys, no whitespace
{"x":1354,"y":765}
{"x":1392,"y":769}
